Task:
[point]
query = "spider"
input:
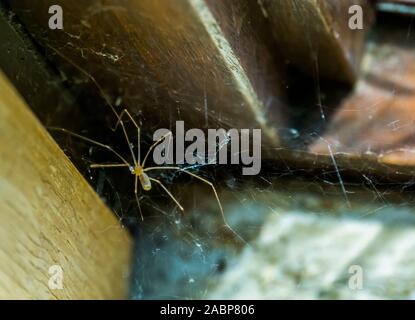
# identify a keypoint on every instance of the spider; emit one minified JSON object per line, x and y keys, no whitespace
{"x":137,"y":168}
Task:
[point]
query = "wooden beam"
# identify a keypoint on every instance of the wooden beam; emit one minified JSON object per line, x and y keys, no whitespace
{"x":50,"y":217}
{"x":169,"y":60}
{"x":314,"y":36}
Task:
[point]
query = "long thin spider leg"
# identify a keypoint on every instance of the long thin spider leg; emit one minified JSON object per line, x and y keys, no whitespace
{"x":214,"y":191}
{"x":125,"y":112}
{"x":153,"y":146}
{"x":128,"y":141}
{"x":136,"y":197}
{"x":93,"y":142}
{"x":168,"y":192}
{"x":103,"y":94}
{"x":112,"y":165}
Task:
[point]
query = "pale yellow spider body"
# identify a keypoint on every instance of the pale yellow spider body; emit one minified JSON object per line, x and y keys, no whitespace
{"x":145,"y":181}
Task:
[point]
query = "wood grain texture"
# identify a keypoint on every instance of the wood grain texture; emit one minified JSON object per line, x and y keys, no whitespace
{"x":314,"y":36}
{"x":171,"y":60}
{"x":50,"y":216}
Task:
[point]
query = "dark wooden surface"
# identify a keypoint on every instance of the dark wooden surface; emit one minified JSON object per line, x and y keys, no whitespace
{"x":170,"y":60}
{"x":30,"y":73}
{"x":314,"y":36}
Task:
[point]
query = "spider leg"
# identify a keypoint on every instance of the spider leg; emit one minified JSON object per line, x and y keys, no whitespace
{"x":136,"y":197}
{"x":93,"y":142}
{"x":125,"y":112}
{"x":153,"y":146}
{"x":168,"y":192}
{"x":121,"y":122}
{"x":214,"y":191}
{"x":114,"y":165}
{"x":101,"y":90}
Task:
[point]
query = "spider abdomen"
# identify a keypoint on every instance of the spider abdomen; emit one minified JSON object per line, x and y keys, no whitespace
{"x":145,"y":181}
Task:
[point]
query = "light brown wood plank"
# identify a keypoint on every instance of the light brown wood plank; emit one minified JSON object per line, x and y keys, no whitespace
{"x":49,"y":216}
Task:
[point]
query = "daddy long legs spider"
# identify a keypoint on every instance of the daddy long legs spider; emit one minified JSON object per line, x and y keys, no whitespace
{"x":138,"y":168}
